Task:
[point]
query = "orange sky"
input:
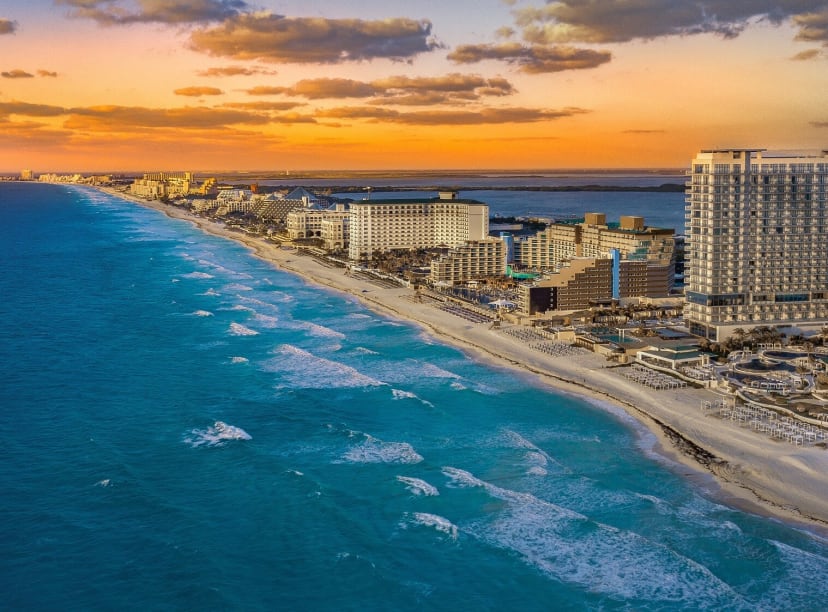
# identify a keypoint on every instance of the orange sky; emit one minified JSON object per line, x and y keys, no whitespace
{"x":110,"y":85}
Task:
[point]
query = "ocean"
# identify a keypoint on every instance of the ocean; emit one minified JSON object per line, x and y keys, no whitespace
{"x":186,"y":427}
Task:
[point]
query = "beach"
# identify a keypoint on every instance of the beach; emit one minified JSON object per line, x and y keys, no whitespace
{"x":744,"y":468}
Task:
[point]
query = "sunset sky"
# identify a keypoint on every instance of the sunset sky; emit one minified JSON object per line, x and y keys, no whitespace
{"x":133,"y":85}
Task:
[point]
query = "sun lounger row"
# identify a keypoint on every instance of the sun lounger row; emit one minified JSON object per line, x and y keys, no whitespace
{"x":555,"y":348}
{"x":654,"y":380}
{"x":526,"y":334}
{"x":776,"y":426}
{"x":466,"y":313}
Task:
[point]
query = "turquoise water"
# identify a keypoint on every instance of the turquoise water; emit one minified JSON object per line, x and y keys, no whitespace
{"x":187,"y":428}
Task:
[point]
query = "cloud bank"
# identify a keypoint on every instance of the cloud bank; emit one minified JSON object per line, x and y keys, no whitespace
{"x":279,"y":39}
{"x":174,"y":12}
{"x":532,"y":59}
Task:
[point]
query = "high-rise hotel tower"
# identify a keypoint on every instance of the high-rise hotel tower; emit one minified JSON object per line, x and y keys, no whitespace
{"x":757,"y":240}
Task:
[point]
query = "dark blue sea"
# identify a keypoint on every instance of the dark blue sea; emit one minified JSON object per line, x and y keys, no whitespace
{"x":185,"y":427}
{"x":522,"y":195}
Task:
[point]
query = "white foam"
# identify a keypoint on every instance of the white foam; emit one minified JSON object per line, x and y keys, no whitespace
{"x":570,"y":548}
{"x":365,"y":351}
{"x":797,"y":584}
{"x":103,"y":483}
{"x":237,"y":329}
{"x":458,"y":386}
{"x":402,"y":394}
{"x":358,"y":315}
{"x":239,"y":360}
{"x":211,"y":292}
{"x":322,"y":332}
{"x":216,"y":435}
{"x":432,"y":371}
{"x":418,"y":487}
{"x":399,"y":395}
{"x":300,"y":369}
{"x":239,"y":307}
{"x":536,"y":457}
{"x":202,"y":275}
{"x":202,"y":313}
{"x":266,"y":321}
{"x":373,"y":450}
{"x":439,"y":523}
{"x":220,"y":268}
{"x":237,"y":287}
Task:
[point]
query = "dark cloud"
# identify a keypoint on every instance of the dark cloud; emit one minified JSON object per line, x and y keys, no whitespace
{"x":450,"y":83}
{"x":401,"y":90}
{"x":819,"y":124}
{"x":27,"y":109}
{"x":46,"y":73}
{"x":228,"y":71}
{"x":131,"y":117}
{"x":197,"y":92}
{"x":7,"y":26}
{"x":643,"y":132}
{"x":813,"y":26}
{"x":564,"y":21}
{"x":532,"y":59}
{"x":123,"y":12}
{"x":264,"y":106}
{"x":444,"y":118}
{"x":265,"y":90}
{"x":315,"y":89}
{"x":17,"y":74}
{"x":809,"y":54}
{"x":279,"y":39}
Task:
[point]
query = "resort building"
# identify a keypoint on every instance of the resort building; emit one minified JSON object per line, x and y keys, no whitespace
{"x":155,"y":185}
{"x":472,"y":260}
{"x":649,"y":251}
{"x":308,"y":222}
{"x":584,"y":282}
{"x":385,"y":225}
{"x":335,"y":232}
{"x":757,"y":240}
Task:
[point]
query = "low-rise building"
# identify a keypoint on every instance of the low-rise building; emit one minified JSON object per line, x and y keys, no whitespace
{"x":308,"y":222}
{"x":472,"y":260}
{"x":645,"y":254}
{"x":584,"y":282}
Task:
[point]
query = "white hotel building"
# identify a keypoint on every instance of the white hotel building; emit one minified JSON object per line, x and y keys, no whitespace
{"x":757,"y":240}
{"x":385,"y":225}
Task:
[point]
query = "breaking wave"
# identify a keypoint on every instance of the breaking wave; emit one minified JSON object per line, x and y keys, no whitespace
{"x":571,"y":548}
{"x":303,"y":370}
{"x":374,"y":450}
{"x":237,"y":329}
{"x":435,"y":521}
{"x":418,"y":487}
{"x":216,"y":435}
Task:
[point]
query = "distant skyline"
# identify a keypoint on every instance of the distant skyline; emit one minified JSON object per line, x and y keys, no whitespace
{"x":230,"y":85}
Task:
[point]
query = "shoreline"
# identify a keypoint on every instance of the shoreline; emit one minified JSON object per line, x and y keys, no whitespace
{"x":733,"y":465}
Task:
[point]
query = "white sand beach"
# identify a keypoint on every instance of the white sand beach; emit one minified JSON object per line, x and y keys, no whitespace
{"x":752,"y":471}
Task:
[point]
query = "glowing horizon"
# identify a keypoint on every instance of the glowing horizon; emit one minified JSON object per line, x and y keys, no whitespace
{"x":221,"y":85}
